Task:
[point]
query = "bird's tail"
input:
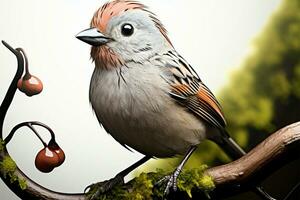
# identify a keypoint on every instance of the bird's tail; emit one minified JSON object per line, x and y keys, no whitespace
{"x":234,"y":151}
{"x":231,"y":148}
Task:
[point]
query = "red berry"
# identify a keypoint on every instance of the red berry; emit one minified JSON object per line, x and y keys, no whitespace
{"x":46,"y":160}
{"x":30,"y":86}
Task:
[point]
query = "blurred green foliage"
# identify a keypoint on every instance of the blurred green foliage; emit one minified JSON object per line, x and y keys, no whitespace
{"x":264,"y":93}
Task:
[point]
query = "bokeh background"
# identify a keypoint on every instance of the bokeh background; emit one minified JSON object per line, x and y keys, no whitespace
{"x":247,"y":52}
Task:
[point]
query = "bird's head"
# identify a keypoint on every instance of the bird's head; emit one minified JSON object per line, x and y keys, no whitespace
{"x":123,"y":31}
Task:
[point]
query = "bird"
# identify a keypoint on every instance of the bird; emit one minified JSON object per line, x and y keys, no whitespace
{"x":145,"y":94}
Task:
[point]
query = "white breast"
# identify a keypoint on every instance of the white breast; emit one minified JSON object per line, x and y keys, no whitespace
{"x":133,"y":105}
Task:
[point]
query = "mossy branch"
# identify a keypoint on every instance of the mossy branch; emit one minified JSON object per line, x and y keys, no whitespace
{"x":279,"y":149}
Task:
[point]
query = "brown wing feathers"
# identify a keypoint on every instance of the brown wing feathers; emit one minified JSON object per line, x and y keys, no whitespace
{"x":200,"y":102}
{"x":189,"y":91}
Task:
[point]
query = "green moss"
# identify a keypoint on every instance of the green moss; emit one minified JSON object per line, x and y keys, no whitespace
{"x":142,"y":187}
{"x":22,"y":183}
{"x":195,"y":179}
{"x":8,"y":166}
{"x":2,"y":145}
{"x":207,"y":183}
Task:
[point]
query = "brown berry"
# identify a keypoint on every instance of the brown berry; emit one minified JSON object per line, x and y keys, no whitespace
{"x":46,"y":160}
{"x":30,"y":85}
{"x":54,"y":147}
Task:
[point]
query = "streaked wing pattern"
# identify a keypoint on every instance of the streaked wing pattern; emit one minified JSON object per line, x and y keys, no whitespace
{"x":190,"y":91}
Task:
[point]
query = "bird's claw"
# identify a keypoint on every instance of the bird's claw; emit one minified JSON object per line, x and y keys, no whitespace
{"x":95,"y":190}
{"x":171,"y":182}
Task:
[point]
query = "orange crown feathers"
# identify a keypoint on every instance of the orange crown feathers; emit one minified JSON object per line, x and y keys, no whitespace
{"x":116,"y":7}
{"x":111,"y":9}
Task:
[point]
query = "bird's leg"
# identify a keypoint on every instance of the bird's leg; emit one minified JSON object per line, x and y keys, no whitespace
{"x":172,"y":178}
{"x":104,"y":186}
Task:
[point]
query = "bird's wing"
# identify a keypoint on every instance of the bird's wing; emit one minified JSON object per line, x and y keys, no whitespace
{"x":188,"y":90}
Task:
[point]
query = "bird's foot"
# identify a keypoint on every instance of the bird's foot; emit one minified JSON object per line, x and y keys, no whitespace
{"x":95,"y":190}
{"x":171,"y":181}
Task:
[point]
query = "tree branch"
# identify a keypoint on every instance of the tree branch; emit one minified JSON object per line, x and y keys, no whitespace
{"x":277,"y":150}
{"x":283,"y":144}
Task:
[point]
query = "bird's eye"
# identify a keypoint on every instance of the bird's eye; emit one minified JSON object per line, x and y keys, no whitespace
{"x":127,"y":30}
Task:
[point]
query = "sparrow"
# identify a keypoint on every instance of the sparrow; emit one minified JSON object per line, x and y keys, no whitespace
{"x":145,"y":94}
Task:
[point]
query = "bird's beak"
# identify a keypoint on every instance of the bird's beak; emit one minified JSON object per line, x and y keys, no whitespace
{"x":93,"y":37}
